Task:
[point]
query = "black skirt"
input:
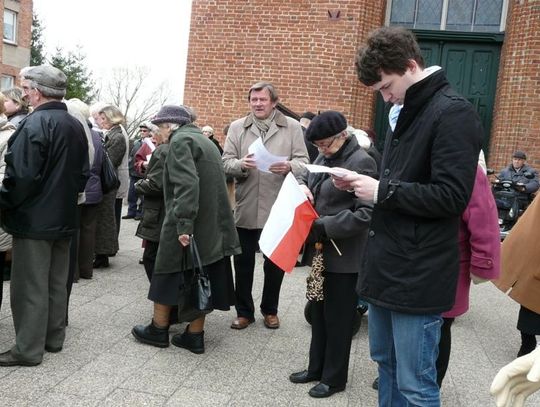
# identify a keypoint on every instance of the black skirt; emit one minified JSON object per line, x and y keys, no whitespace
{"x":528,"y":321}
{"x":168,"y":289}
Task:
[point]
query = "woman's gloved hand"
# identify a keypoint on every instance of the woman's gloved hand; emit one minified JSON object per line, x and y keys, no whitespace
{"x":317,"y":232}
{"x":517,"y":380}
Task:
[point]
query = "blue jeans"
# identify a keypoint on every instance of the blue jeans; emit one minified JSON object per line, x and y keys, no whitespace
{"x":405,"y":346}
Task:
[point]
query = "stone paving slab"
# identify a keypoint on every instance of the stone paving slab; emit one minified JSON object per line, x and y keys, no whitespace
{"x":102,"y":365}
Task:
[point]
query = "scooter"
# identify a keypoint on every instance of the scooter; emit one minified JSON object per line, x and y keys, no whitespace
{"x":510,"y":201}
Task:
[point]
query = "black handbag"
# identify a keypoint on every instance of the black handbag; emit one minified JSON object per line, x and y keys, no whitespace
{"x":200,"y":292}
{"x":109,"y":177}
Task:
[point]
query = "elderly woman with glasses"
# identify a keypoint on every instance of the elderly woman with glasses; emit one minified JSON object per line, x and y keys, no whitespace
{"x":344,"y":220}
{"x":196,"y":209}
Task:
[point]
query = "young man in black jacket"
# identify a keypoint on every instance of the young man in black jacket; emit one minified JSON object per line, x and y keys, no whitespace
{"x":410,"y":268}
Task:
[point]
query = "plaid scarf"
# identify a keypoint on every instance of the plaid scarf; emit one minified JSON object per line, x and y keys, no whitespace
{"x":263,"y":125}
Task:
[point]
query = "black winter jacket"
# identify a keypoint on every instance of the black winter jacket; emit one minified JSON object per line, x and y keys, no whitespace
{"x":343,"y":217}
{"x":46,"y":167}
{"x":531,"y":184}
{"x":152,"y":189}
{"x":427,"y":175}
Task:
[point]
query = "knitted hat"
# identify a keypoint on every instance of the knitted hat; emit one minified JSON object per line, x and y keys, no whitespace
{"x":172,"y":114}
{"x":519,"y":154}
{"x":326,"y":124}
{"x":45,"y":75}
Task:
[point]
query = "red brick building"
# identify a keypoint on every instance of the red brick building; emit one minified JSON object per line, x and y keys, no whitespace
{"x":491,"y":52}
{"x":17,"y":29}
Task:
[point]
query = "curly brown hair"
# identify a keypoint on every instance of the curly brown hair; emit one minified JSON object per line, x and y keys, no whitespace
{"x":388,"y":50}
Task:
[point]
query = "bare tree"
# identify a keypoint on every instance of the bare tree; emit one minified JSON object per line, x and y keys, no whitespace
{"x":129,"y":89}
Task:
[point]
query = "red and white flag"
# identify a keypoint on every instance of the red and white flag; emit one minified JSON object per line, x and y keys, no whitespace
{"x":288,"y":225}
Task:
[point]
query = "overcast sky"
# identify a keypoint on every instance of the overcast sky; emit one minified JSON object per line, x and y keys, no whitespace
{"x":122,"y":32}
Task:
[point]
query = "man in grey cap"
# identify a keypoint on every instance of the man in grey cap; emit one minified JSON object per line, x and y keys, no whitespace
{"x":525,"y":177}
{"x":46,"y":168}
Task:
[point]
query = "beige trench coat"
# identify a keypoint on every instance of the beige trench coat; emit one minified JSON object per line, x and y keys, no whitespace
{"x":256,"y":191}
{"x":520,"y":260}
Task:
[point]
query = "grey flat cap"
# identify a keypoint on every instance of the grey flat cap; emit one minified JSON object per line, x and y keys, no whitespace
{"x":46,"y":75}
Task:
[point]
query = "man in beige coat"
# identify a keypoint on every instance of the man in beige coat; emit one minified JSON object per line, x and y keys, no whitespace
{"x":256,"y":192}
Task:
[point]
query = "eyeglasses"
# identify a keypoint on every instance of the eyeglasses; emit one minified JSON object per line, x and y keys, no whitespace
{"x":326,"y":146}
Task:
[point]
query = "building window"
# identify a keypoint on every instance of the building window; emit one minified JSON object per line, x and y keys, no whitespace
{"x":10,"y":26}
{"x":6,"y":82}
{"x":449,"y":15}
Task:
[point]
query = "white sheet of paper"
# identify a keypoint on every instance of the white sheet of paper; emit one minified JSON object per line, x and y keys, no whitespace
{"x":336,"y":171}
{"x":263,"y":157}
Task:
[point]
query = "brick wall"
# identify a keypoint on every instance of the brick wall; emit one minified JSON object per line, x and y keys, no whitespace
{"x":24,"y":33}
{"x":310,"y":58}
{"x":25,"y":23}
{"x":516,"y":123}
{"x":296,"y":45}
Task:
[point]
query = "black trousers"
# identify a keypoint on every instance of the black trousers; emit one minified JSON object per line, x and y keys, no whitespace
{"x":244,"y":265}
{"x":87,"y":241}
{"x":118,"y":214}
{"x":149,"y":257}
{"x":445,"y":345}
{"x":331,"y":329}
{"x":2,"y":266}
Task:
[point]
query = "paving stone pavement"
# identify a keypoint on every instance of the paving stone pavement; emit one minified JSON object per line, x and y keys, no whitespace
{"x":102,"y":365}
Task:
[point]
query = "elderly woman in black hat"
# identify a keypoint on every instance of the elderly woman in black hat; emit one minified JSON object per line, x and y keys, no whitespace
{"x":196,"y":209}
{"x":345,"y":220}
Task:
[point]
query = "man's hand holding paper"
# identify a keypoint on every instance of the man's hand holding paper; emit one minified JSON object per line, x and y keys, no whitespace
{"x":265,"y":161}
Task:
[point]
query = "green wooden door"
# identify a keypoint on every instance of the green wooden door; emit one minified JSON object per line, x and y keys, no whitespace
{"x":471,"y":65}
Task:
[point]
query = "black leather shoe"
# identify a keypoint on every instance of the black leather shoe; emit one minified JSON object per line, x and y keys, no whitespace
{"x":304,"y":377}
{"x":53,"y":349}
{"x":151,"y":335}
{"x":322,"y":390}
{"x":7,"y":359}
{"x":194,"y":342}
{"x":375,"y":384}
{"x":128,"y":217}
{"x":101,"y":261}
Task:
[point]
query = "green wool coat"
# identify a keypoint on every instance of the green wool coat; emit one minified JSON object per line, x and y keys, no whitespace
{"x":196,"y":202}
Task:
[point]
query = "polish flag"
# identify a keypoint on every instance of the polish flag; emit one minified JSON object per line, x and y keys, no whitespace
{"x":287,"y":226}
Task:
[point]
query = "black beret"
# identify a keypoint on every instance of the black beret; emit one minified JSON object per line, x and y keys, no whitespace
{"x":326,"y":124}
{"x":519,"y":154}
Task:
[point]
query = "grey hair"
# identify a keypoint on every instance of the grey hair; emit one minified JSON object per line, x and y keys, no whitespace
{"x":79,"y":105}
{"x":265,"y":85}
{"x":46,"y":91}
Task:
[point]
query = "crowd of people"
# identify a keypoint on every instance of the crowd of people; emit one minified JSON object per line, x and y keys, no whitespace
{"x":406,"y":233}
